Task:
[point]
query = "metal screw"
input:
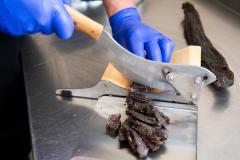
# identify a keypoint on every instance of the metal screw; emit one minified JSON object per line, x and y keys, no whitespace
{"x":193,"y":97}
{"x":166,"y":70}
{"x":170,"y":77}
{"x":198,"y":80}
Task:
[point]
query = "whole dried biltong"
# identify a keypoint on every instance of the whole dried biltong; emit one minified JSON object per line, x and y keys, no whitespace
{"x":113,"y":124}
{"x":211,"y":58}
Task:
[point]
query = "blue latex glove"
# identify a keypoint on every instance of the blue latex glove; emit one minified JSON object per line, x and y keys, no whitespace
{"x":140,"y":39}
{"x":20,"y":17}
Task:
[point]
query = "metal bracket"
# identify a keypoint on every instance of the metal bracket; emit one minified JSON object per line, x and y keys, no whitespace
{"x":187,"y":86}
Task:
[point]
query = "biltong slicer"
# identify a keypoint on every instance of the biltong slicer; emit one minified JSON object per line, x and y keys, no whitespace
{"x":179,"y":89}
{"x":181,"y":80}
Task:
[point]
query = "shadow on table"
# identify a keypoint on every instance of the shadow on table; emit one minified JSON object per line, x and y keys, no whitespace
{"x":222,"y":97}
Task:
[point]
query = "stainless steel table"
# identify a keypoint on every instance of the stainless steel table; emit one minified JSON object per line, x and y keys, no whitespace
{"x":50,"y":63}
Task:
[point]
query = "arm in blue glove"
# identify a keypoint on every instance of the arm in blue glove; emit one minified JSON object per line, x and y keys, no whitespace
{"x":20,"y":17}
{"x":134,"y":35}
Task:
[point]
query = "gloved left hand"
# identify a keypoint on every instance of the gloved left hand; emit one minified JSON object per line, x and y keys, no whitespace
{"x":20,"y":17}
{"x":140,"y":39}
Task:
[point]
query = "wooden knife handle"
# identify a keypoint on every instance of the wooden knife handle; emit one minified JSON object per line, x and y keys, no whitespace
{"x":84,"y":24}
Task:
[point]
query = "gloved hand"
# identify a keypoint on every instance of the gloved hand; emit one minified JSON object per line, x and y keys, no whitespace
{"x":20,"y":17}
{"x":138,"y":38}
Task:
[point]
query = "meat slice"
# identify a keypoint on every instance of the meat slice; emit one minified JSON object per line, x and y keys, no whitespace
{"x":146,"y":128}
{"x":142,"y":117}
{"x":153,"y":136}
{"x":138,"y":97}
{"x":140,"y":88}
{"x":136,"y":142}
{"x":162,"y":115}
{"x":122,"y":137}
{"x":145,"y":108}
{"x":162,"y":119}
{"x":149,"y":110}
{"x":113,"y":124}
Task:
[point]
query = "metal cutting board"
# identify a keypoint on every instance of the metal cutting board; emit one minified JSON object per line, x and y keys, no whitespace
{"x":94,"y":144}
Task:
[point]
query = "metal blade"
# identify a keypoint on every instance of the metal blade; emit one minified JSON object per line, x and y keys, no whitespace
{"x":107,"y":88}
{"x":102,"y":88}
{"x":145,"y":71}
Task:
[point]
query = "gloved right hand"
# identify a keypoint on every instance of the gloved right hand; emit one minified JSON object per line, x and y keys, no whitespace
{"x":139,"y":38}
{"x":20,"y":17}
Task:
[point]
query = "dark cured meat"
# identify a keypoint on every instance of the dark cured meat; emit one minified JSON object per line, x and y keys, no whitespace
{"x":136,"y":142}
{"x":145,"y":128}
{"x":158,"y":121}
{"x":113,"y":124}
{"x":162,"y":119}
{"x":140,"y":88}
{"x":145,"y":119}
{"x":152,"y":136}
{"x":145,"y":108}
{"x":122,"y":137}
{"x":211,"y":58}
{"x":139,"y":97}
{"x":142,"y":117}
{"x":148,"y":129}
{"x":149,"y":110}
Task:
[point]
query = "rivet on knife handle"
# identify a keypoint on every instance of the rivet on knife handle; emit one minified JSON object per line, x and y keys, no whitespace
{"x":85,"y":24}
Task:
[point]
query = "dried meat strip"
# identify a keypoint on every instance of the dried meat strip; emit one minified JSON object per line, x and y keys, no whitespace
{"x":211,"y":57}
{"x":113,"y":124}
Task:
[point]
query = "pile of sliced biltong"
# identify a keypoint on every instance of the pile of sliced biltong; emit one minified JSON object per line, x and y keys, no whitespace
{"x":211,"y":57}
{"x":145,"y":128}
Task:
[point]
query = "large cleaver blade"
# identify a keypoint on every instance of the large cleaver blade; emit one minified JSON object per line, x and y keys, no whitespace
{"x":135,"y":68}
